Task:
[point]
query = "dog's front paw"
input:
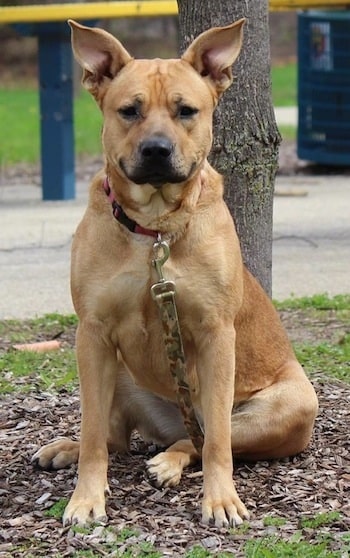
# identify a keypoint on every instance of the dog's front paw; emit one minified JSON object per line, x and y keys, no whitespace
{"x":85,"y":508}
{"x":165,"y":469}
{"x":56,"y":455}
{"x":222,"y":507}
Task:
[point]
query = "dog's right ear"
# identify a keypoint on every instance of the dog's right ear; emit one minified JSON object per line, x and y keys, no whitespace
{"x":99,"y":54}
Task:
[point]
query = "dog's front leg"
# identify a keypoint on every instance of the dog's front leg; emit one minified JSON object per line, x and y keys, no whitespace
{"x":216,"y":367}
{"x":97,"y":372}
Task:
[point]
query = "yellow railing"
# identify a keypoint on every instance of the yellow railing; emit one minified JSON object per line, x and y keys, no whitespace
{"x":100,"y":10}
{"x":280,"y":5}
{"x":91,"y":10}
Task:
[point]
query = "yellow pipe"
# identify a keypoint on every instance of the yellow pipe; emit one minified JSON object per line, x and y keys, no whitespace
{"x":91,"y":10}
{"x":100,"y":10}
{"x":276,"y":5}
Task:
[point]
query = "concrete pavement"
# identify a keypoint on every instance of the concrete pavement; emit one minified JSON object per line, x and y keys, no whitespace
{"x":286,"y":116}
{"x":311,"y":236}
{"x":311,"y":248}
{"x":35,"y":241}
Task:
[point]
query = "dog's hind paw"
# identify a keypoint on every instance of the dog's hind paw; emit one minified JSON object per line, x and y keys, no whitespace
{"x":56,"y":455}
{"x":165,"y":469}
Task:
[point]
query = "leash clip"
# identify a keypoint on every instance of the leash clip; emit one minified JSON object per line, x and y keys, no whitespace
{"x":161,"y":252}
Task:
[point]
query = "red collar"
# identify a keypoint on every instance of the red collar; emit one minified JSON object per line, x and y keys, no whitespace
{"x":122,"y":217}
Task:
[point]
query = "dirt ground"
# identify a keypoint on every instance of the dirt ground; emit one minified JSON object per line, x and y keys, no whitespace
{"x":316,"y":481}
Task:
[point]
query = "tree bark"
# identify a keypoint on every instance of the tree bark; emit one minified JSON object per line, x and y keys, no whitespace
{"x":246,"y":138}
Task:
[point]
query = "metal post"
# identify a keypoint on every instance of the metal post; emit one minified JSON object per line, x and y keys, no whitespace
{"x":56,"y":110}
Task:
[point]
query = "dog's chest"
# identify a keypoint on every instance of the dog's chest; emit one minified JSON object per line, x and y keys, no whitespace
{"x":134,"y":325}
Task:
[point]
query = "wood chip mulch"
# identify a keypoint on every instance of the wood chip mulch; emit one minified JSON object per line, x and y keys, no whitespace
{"x":316,"y":481}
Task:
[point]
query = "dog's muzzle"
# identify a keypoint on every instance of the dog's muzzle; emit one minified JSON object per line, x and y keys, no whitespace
{"x":155,"y":163}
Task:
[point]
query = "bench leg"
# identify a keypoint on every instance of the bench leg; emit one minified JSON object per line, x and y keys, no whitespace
{"x":56,"y":109}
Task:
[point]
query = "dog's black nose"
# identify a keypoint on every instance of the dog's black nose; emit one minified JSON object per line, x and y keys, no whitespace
{"x":157,"y":148}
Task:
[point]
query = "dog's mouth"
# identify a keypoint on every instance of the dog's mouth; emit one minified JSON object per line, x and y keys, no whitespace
{"x":155,"y":176}
{"x":155,"y":162}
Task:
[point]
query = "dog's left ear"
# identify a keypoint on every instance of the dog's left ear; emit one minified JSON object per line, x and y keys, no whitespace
{"x":213,"y":52}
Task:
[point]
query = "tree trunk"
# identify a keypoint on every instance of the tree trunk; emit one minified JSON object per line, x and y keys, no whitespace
{"x":246,"y":139}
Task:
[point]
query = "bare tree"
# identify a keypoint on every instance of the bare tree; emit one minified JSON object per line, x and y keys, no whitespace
{"x":246,"y":138}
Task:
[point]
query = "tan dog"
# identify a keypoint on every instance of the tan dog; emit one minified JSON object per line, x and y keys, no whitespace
{"x":249,"y":391}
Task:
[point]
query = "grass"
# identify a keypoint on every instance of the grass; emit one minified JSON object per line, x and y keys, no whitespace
{"x":284,"y":85}
{"x":57,"y":509}
{"x":25,"y":370}
{"x":320,"y":520}
{"x":288,"y":132}
{"x":276,"y":547}
{"x":298,"y":546}
{"x":19,"y":117}
{"x":317,"y":302}
{"x":271,"y":521}
{"x":49,"y":371}
{"x":330,"y":358}
{"x":50,"y":325}
{"x":22,"y":142}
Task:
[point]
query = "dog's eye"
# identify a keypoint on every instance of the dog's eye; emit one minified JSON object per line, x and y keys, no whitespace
{"x":129,"y":112}
{"x":185,"y":111}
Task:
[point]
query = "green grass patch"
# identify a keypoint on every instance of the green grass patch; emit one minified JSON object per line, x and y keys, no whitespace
{"x":49,"y":371}
{"x":333,"y":360}
{"x":284,"y":85}
{"x":87,"y":125}
{"x":298,"y":546}
{"x":20,"y":122}
{"x":275,"y":547}
{"x":197,"y":552}
{"x":330,"y":357}
{"x":48,"y":326}
{"x":288,"y":132}
{"x":19,"y":116}
{"x":318,"y":302}
{"x":320,"y":520}
{"x":274,"y":521}
{"x":57,"y":509}
{"x":26,"y":370}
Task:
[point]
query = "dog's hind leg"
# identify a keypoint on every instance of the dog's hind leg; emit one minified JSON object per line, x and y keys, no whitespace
{"x":277,"y":421}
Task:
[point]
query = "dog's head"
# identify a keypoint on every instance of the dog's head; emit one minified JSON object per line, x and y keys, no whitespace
{"x":157,"y":113}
